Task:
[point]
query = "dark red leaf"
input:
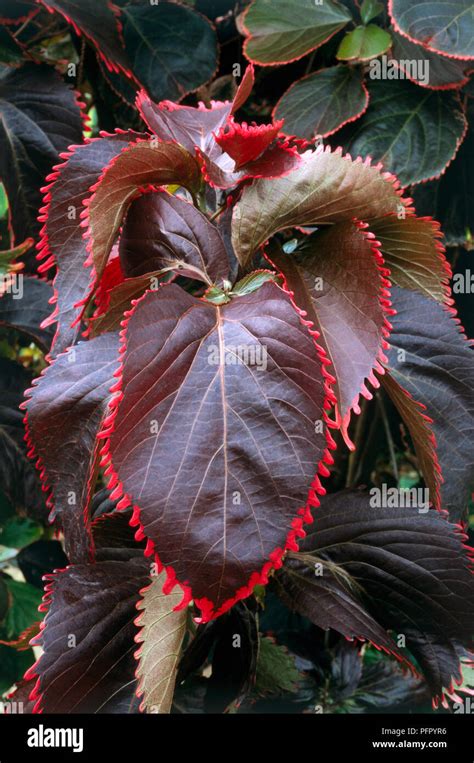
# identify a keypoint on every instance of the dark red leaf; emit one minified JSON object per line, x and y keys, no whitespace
{"x":432,"y":360}
{"x":412,"y":571}
{"x":217,"y":455}
{"x":339,"y":279}
{"x":27,"y":311}
{"x":99,"y":23}
{"x":62,"y":242}
{"x":164,"y":231}
{"x":246,"y":143}
{"x":40,"y":117}
{"x":65,"y":408}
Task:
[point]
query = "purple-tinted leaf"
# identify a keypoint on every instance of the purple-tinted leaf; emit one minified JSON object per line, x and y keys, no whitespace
{"x":164,"y":231}
{"x":188,"y":126}
{"x":62,"y":240}
{"x":27,"y":310}
{"x":326,"y":188}
{"x":411,"y":572}
{"x":39,"y":118}
{"x":443,"y":27}
{"x":346,"y":302}
{"x":65,"y":408}
{"x":98,"y":22}
{"x":173,"y":49}
{"x":119,"y":299}
{"x":421,"y":432}
{"x":432,"y":360}
{"x":96,"y":604}
{"x":139,"y":165}
{"x":18,"y":479}
{"x":441,"y":73}
{"x":322,"y":102}
{"x":330,"y":598}
{"x":213,"y":435}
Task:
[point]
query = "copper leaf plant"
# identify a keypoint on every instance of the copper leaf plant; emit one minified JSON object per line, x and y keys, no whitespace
{"x":219,"y":316}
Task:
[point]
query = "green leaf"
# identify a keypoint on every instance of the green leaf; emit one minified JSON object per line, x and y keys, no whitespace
{"x":23,"y":612}
{"x":161,"y":637}
{"x":13,"y":664}
{"x":254,"y":281}
{"x":4,"y":599}
{"x":322,"y":102}
{"x":173,"y":49}
{"x":276,"y":671}
{"x":414,"y":133}
{"x":369,"y":10}
{"x":280,"y":31}
{"x":19,"y":532}
{"x":364,"y":43}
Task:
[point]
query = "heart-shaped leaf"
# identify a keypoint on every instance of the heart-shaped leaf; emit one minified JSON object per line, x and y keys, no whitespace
{"x":411,"y":574}
{"x":62,"y":242}
{"x":443,"y":27}
{"x":326,"y":188}
{"x":280,"y":31}
{"x":161,"y":636}
{"x":98,"y":22}
{"x":364,"y":43}
{"x":432,"y":360}
{"x":65,"y":408}
{"x":39,"y":118}
{"x":438,"y":73}
{"x":416,"y":134}
{"x":346,"y":304}
{"x":164,"y":231}
{"x":166,"y":66}
{"x":322,"y":102}
{"x":237,"y":475}
{"x":27,"y":308}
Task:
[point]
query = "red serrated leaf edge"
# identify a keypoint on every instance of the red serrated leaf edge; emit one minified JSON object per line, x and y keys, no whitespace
{"x":32,"y":674}
{"x":112,"y":66}
{"x":304,"y":514}
{"x":40,"y":466}
{"x":45,"y":256}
